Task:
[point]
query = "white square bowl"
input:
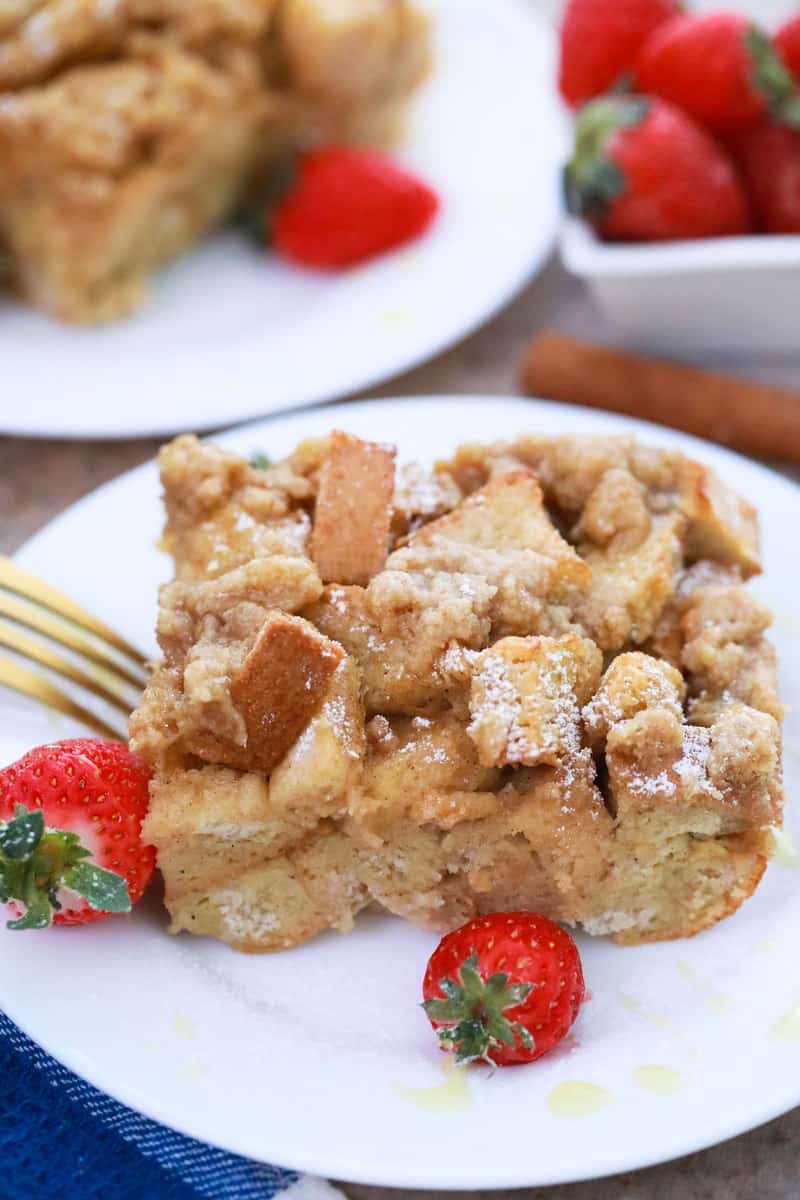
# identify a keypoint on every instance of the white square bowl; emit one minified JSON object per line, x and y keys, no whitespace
{"x":729,"y":297}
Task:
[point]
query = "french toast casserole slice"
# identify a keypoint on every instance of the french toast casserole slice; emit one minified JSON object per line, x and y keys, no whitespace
{"x":530,"y":678}
{"x":131,"y":128}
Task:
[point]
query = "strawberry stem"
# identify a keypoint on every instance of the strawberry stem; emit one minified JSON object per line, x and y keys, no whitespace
{"x":472,"y":1013}
{"x":36,"y":861}
{"x":255,"y":217}
{"x":773,"y":78}
{"x":591,"y":179}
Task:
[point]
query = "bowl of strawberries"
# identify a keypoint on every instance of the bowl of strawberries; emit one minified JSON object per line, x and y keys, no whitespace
{"x":683,"y":185}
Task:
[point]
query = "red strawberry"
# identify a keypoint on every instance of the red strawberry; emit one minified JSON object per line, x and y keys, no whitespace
{"x":787,"y":43}
{"x":600,"y":42}
{"x":644,"y":171}
{"x":720,"y":68}
{"x":769,"y":159}
{"x":348,"y":206}
{"x":505,"y":989}
{"x":70,"y":833}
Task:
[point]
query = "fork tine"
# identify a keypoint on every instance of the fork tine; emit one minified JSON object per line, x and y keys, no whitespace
{"x":41,"y":622}
{"x":23,"y":583}
{"x":22,"y":680}
{"x":41,"y":653}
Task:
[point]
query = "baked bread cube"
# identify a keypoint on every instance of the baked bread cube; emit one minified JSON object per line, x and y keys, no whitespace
{"x":725,"y":653}
{"x":348,"y":66}
{"x":502,"y":536}
{"x":39,"y":37}
{"x":353,"y":510}
{"x":225,"y":835}
{"x":633,"y":683}
{"x":526,"y":698}
{"x":283,"y":901}
{"x":723,"y":526}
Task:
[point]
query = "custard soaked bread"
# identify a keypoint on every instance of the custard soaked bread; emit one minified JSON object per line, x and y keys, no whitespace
{"x":531,"y":678}
{"x":130,"y":128}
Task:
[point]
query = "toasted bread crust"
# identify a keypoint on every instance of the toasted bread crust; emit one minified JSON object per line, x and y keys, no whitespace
{"x":280,"y":686}
{"x":353,"y":512}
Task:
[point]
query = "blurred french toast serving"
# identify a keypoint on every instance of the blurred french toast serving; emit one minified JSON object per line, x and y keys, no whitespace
{"x":131,"y":129}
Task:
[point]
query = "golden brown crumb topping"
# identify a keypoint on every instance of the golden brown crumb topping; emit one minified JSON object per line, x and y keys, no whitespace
{"x":531,"y":678}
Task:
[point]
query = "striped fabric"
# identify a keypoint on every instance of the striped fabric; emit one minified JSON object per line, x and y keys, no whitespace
{"x":62,"y":1139}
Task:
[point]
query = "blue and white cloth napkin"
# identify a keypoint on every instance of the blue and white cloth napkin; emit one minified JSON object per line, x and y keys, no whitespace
{"x":62,"y":1139}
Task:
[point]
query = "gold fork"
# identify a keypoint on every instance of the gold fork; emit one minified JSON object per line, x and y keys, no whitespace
{"x":115,"y":671}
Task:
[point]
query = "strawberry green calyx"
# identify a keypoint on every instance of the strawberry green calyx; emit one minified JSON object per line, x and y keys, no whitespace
{"x":36,"y":861}
{"x":773,"y":78}
{"x":254,"y":218}
{"x":472,"y":1013}
{"x":591,"y":179}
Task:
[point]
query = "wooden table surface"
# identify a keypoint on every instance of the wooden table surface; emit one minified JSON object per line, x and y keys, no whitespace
{"x":40,"y":478}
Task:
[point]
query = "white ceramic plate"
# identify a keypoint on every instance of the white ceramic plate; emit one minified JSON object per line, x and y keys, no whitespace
{"x":319,"y":1058}
{"x":232,"y":333}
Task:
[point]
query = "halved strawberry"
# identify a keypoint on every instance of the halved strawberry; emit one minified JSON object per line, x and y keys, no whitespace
{"x":70,"y":833}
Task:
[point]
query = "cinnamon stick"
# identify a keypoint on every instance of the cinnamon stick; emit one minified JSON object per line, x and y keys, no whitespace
{"x":743,"y":414}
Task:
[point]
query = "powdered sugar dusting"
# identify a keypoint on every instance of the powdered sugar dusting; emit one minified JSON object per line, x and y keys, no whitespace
{"x":647,"y":787}
{"x":39,"y":34}
{"x":245,"y":920}
{"x":455,"y":665}
{"x":607,"y":923}
{"x":230,"y":831}
{"x":685,"y":776}
{"x":106,"y":9}
{"x":706,"y":574}
{"x":456,"y":656}
{"x":243,"y":521}
{"x":692,"y":767}
{"x":538,"y":725}
{"x":336,"y":712}
{"x":422,"y":493}
{"x":633,"y":683}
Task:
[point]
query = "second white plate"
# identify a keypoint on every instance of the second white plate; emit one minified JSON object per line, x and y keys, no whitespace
{"x":320,"y":1058}
{"x":232,"y":333}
